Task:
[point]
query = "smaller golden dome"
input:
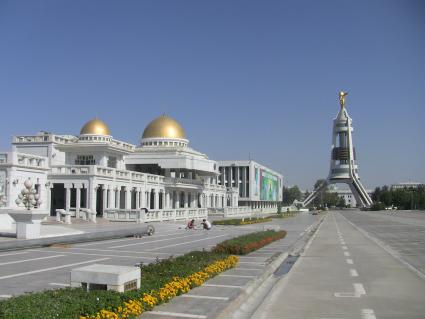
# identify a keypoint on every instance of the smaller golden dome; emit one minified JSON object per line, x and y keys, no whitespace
{"x":96,"y":127}
{"x":164,"y":127}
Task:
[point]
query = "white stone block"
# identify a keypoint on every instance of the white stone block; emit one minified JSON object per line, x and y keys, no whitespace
{"x":114,"y":277}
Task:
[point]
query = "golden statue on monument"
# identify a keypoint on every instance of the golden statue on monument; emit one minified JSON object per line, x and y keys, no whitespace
{"x":342,"y":96}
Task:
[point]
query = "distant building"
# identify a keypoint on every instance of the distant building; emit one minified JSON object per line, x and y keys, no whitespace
{"x":406,"y":185}
{"x":258,"y":186}
{"x":346,"y":194}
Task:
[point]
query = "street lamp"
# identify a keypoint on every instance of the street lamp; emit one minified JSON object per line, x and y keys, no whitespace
{"x":2,"y":200}
{"x":28,"y":196}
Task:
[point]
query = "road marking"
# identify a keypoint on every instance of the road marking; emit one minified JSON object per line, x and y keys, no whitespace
{"x":155,"y":241}
{"x":349,"y":261}
{"x":100,"y":242}
{"x":237,"y":268}
{"x":176,"y":314}
{"x":344,"y":247}
{"x":368,"y":314}
{"x":25,"y":260}
{"x":103,"y":255}
{"x":237,"y":276}
{"x":342,"y":242}
{"x":301,"y":233}
{"x":222,"y":286}
{"x":353,"y":273}
{"x":359,"y":289}
{"x":346,"y":254}
{"x":11,"y":254}
{"x":204,"y":297}
{"x":51,"y":268}
{"x":59,"y":284}
{"x":252,"y":262}
{"x":114,"y":250}
{"x":358,"y":292}
{"x":186,"y":242}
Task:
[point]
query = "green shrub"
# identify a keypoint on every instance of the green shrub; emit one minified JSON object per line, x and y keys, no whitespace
{"x":377,"y":206}
{"x":70,"y":303}
{"x":245,"y":244}
{"x":240,"y":221}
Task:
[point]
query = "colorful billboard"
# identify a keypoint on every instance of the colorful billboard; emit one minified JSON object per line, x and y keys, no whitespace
{"x":269,"y":186}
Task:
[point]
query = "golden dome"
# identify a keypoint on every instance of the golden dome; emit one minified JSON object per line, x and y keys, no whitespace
{"x":96,"y":127}
{"x":164,"y":127}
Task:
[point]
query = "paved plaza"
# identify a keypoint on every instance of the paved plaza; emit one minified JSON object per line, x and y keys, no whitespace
{"x":46,"y":268}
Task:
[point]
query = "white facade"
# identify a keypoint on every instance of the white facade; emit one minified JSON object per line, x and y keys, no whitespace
{"x":347,"y":195}
{"x":257,"y":186}
{"x":407,"y":185}
{"x":115,"y":179}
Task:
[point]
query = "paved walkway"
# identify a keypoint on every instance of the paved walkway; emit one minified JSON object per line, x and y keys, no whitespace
{"x":40,"y":268}
{"x":343,"y":274}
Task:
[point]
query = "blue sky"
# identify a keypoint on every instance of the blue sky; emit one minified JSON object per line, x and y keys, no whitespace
{"x":242,"y":77}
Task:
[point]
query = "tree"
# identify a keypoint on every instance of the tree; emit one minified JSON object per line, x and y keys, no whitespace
{"x":341,"y":202}
{"x":291,"y":194}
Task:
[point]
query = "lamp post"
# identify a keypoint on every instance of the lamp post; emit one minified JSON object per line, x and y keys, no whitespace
{"x":28,"y":196}
{"x":28,"y":221}
{"x":3,"y":200}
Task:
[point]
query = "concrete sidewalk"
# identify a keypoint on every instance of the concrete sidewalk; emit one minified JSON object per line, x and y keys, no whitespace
{"x":343,"y":274}
{"x":55,"y":233}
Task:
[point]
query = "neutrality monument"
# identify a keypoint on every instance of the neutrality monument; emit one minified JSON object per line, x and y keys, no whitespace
{"x":343,"y":168}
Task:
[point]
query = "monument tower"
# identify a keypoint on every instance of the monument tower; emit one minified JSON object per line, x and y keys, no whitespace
{"x":343,"y":168}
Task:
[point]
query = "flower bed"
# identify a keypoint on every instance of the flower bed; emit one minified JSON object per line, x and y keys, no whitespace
{"x":161,"y":281}
{"x":240,"y":221}
{"x":245,"y":244}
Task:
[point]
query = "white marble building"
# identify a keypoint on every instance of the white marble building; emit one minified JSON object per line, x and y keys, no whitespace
{"x":95,"y":172}
{"x":258,"y":186}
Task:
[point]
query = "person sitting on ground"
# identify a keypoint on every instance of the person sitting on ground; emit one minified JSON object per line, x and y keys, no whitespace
{"x":206,"y":224}
{"x":191,"y":224}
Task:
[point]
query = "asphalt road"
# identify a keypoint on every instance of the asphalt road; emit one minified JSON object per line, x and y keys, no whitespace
{"x":346,"y":274}
{"x":401,"y":231}
{"x":47,"y":268}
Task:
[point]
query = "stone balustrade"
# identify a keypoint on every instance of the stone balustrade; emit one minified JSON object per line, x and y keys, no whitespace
{"x":105,"y":172}
{"x":154,"y":215}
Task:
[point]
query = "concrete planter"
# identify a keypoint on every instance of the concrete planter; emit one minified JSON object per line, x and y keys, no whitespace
{"x":28,"y":223}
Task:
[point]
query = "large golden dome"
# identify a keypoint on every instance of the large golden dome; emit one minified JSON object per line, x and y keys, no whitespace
{"x":96,"y":127}
{"x":164,"y":127}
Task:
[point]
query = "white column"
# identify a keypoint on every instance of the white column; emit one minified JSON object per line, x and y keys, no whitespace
{"x":127,"y":198}
{"x":143,"y":198}
{"x":167,"y":200}
{"x":156,"y":199}
{"x":186,"y":199}
{"x":67,"y":197}
{"x":111,"y":197}
{"x":237,"y":177}
{"x":177,"y":200}
{"x":148,"y":199}
{"x":137,"y":199}
{"x":77,"y":201}
{"x":117,"y":198}
{"x":104,"y":198}
{"x":93,"y":196}
{"x":244,"y":181}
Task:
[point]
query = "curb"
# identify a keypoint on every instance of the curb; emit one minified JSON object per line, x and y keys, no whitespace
{"x":235,"y":306}
{"x":72,"y":239}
